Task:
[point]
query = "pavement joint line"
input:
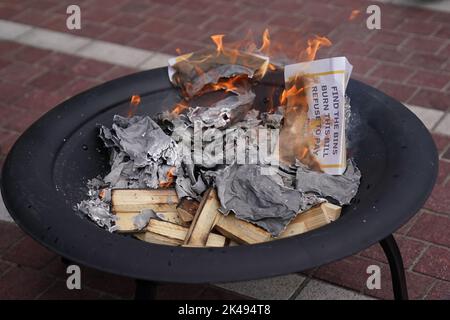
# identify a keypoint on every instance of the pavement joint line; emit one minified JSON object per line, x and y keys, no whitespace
{"x":300,"y":288}
{"x":427,"y":292}
{"x":419,"y":256}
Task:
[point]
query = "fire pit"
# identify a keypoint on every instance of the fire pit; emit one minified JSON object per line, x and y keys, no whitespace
{"x":46,"y":172}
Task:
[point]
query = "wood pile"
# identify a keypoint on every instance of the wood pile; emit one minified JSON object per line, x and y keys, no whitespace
{"x":192,"y":224}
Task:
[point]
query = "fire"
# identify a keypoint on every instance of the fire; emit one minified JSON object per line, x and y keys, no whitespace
{"x":354,"y":14}
{"x":264,"y":49}
{"x":134,"y":102}
{"x":314,"y":44}
{"x":170,"y":179}
{"x":179,"y":108}
{"x":228,"y":84}
{"x":295,"y":136}
{"x":218,"y":40}
{"x":292,"y":92}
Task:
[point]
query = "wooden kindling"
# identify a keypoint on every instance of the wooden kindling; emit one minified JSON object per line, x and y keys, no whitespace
{"x":134,"y":200}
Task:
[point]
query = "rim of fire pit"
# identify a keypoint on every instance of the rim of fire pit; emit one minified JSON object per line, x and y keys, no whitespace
{"x":38,"y":207}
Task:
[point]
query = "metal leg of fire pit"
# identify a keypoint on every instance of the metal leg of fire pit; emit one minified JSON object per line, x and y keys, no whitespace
{"x":394,"y":257}
{"x":145,"y":290}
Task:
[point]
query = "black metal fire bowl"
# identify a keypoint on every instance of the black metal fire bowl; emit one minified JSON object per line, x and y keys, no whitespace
{"x":45,"y":175}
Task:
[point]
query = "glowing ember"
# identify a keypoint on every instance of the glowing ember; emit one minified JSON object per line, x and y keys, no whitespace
{"x":179,"y":108}
{"x":218,"y":40}
{"x":354,"y":14}
{"x":134,"y":102}
{"x":170,"y":179}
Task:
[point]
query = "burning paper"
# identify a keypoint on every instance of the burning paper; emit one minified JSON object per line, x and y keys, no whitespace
{"x":324,"y":82}
{"x":204,"y":71}
{"x":221,"y":141}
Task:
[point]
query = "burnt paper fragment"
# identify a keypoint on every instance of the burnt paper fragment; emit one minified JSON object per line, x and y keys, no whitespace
{"x":141,"y":139}
{"x":98,"y":211}
{"x":341,"y":188}
{"x":192,"y":72}
{"x":225,"y":112}
{"x":141,"y":153}
{"x":260,"y":199}
{"x":140,"y":221}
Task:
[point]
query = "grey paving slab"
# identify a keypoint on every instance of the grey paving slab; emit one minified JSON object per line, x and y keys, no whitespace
{"x":438,"y":5}
{"x":277,"y":288}
{"x":319,"y":290}
{"x":11,"y":30}
{"x":115,"y":53}
{"x":155,"y":61}
{"x":53,"y":40}
{"x":4,"y":215}
{"x":429,"y":117}
{"x":443,"y":127}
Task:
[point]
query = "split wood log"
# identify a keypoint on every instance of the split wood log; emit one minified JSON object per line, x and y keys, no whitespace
{"x":208,"y":217}
{"x":157,"y":238}
{"x":179,"y":233}
{"x":167,"y":229}
{"x":134,"y":200}
{"x":204,"y":219}
{"x":173,"y":217}
{"x":125,"y":222}
{"x":240,"y":231}
{"x":312,"y":219}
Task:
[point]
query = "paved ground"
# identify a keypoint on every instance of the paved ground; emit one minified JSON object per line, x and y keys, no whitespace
{"x":408,"y":59}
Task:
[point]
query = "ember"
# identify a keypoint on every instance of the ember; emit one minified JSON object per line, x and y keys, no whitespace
{"x":217,"y":171}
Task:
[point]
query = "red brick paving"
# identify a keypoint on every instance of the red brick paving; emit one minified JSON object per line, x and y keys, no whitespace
{"x":413,"y":39}
{"x":29,"y":271}
{"x":29,"y":253}
{"x":59,"y":291}
{"x":408,"y":59}
{"x":440,"y":291}
{"x":435,"y":262}
{"x":409,"y":248}
{"x":23,"y":283}
{"x":432,"y":228}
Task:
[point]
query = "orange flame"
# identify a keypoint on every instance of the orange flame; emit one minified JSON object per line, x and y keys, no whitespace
{"x":295,"y":135}
{"x":179,"y":108}
{"x":134,"y":102}
{"x":170,"y":179}
{"x":354,"y":14}
{"x":229,"y":84}
{"x":265,"y":42}
{"x":218,"y":40}
{"x":314,"y":44}
{"x":292,"y":92}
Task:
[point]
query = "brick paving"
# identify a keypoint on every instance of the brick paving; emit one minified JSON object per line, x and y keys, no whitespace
{"x":408,"y":59}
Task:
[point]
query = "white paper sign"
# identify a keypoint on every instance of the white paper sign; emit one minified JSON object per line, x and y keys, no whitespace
{"x":325,"y":84}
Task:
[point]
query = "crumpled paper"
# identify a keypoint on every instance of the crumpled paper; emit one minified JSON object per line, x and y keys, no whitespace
{"x":260,"y":199}
{"x":141,"y":139}
{"x":193,"y":71}
{"x":225,"y":112}
{"x":141,"y":153}
{"x":341,"y":188}
{"x":98,"y":211}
